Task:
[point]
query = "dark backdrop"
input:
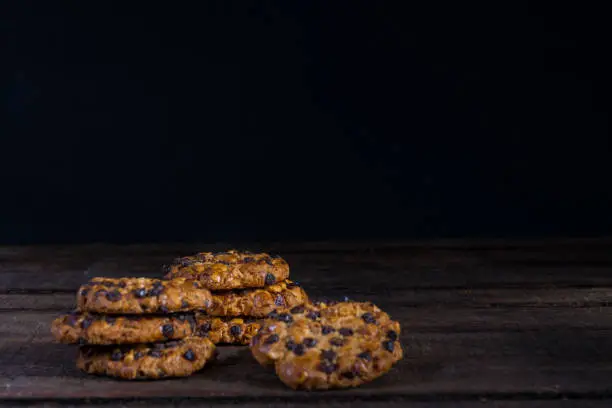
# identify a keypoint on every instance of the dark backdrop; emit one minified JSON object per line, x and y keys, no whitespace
{"x":221,"y":120}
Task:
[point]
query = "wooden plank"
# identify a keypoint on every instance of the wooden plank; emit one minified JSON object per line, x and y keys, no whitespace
{"x":568,"y":297}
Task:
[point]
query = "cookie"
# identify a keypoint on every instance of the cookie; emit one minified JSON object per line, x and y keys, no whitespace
{"x":230,"y":270}
{"x":257,"y":302}
{"x":160,"y":360}
{"x":337,"y":346}
{"x":227,"y":330}
{"x":88,"y":328}
{"x":142,"y":295}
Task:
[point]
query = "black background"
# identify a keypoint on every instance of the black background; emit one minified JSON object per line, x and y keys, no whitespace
{"x":221,"y":120}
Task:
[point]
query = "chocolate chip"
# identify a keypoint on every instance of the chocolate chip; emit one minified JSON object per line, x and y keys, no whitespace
{"x":100,"y":292}
{"x":117,"y":355}
{"x":298,"y":310}
{"x":337,"y":341}
{"x":269,"y":262}
{"x":86,"y":322}
{"x":72,"y":319}
{"x":299,"y":350}
{"x":138,"y":355}
{"x":326,"y":367}
{"x":163,"y":309}
{"x":167,"y":330}
{"x":192,"y":322}
{"x":275,"y":256}
{"x":290,"y":345}
{"x":285,"y":317}
{"x":189,"y":355}
{"x":140,"y":292}
{"x":236,"y":330}
{"x":248,"y":259}
{"x":329,"y":355}
{"x":392,"y":335}
{"x":366,"y":355}
{"x":388,"y":345}
{"x":196,"y":285}
{"x":273,"y":314}
{"x":345,"y":331}
{"x":279,"y":300}
{"x":110,"y":320}
{"x":113,"y":296}
{"x":348,"y":375}
{"x":205,"y":327}
{"x":327,"y":329}
{"x":184,"y":304}
{"x":309,"y":342}
{"x":270,"y":279}
{"x":368,"y":318}
{"x":122,"y":284}
{"x":155,"y":353}
{"x":84,"y":292}
{"x":272,"y":339}
{"x":313,"y":315}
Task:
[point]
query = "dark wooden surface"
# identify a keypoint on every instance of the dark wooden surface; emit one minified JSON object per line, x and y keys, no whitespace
{"x":488,"y":323}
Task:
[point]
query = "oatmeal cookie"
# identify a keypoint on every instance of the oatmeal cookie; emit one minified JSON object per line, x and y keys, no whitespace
{"x":160,"y":360}
{"x":227,"y":330}
{"x":142,"y":295}
{"x":338,"y":346}
{"x":90,"y":328}
{"x":230,"y":270}
{"x":257,"y":302}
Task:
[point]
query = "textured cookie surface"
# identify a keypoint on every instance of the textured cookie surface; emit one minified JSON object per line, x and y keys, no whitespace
{"x":142,"y":295}
{"x":257,"y":302}
{"x":337,"y":346}
{"x":89,"y":328}
{"x":230,"y":270}
{"x":160,"y":360}
{"x":227,"y":330}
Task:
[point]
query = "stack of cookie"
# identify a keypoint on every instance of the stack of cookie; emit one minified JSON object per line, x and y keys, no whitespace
{"x":245,"y":288}
{"x":137,"y":328}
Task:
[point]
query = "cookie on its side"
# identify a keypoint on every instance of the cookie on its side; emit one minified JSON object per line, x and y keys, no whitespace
{"x":257,"y":302}
{"x":89,"y":328}
{"x":230,"y":270}
{"x":338,"y":346}
{"x":147,"y":362}
{"x":142,"y":296}
{"x":227,"y":330}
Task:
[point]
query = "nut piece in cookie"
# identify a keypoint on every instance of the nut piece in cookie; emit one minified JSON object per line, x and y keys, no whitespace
{"x":90,"y":328}
{"x":335,"y":346}
{"x":147,"y":362}
{"x":230,"y":270}
{"x":142,"y":296}
{"x":227,"y":330}
{"x":257,"y":302}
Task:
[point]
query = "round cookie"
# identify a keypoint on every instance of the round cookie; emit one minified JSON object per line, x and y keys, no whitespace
{"x":338,"y":346}
{"x":229,"y":270}
{"x":227,"y":330}
{"x":147,"y":362}
{"x":257,"y":302}
{"x":142,"y":296}
{"x":88,"y":328}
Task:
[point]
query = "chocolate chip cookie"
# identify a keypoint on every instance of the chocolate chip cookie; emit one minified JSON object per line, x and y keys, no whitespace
{"x":160,"y":360}
{"x":227,"y":330}
{"x":337,"y":346}
{"x":89,"y":328}
{"x":230,"y":270}
{"x":257,"y":302}
{"x":142,"y":295}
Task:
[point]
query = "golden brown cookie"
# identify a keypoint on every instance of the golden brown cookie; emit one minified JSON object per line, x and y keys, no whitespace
{"x":227,"y":330}
{"x":142,"y":295}
{"x":338,"y":346}
{"x":89,"y":328}
{"x":160,"y":360}
{"x":257,"y":302}
{"x":230,"y":270}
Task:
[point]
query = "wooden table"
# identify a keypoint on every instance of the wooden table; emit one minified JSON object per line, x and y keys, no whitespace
{"x":491,"y":323}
